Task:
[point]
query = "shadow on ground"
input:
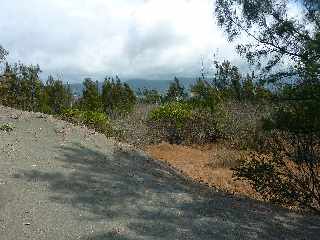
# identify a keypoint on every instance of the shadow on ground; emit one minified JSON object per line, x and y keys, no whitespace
{"x":153,"y":202}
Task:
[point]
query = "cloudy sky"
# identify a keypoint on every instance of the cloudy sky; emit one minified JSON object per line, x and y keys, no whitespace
{"x":132,"y":38}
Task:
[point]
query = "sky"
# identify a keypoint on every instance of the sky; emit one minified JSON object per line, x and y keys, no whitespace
{"x":152,"y":39}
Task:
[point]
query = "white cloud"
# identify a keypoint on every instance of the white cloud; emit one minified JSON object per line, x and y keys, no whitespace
{"x":95,"y":37}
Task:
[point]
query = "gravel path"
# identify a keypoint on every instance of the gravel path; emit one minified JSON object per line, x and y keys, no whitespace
{"x":58,"y":181}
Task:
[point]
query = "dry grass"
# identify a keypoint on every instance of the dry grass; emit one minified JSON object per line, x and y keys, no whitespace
{"x":208,"y":164}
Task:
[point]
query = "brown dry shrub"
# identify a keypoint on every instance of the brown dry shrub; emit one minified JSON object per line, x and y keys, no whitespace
{"x":243,"y":126}
{"x":289,"y":174}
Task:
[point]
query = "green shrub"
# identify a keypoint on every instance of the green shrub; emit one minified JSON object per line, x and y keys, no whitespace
{"x":95,"y":120}
{"x":175,"y":113}
{"x":72,"y":115}
{"x":180,"y":123}
{"x":6,"y":127}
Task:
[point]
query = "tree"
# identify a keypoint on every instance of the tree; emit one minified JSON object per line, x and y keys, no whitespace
{"x":117,"y":97}
{"x":248,"y":89}
{"x":176,"y":91}
{"x":274,"y":33}
{"x":228,"y":79}
{"x":205,"y":95}
{"x":56,"y":96}
{"x":3,"y":54}
{"x":91,"y":100}
{"x":21,"y":86}
{"x":292,"y":173}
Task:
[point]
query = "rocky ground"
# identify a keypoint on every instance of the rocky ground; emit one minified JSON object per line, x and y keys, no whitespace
{"x":59,"y":181}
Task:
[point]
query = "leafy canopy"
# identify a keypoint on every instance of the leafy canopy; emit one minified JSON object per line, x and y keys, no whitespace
{"x":275,"y":33}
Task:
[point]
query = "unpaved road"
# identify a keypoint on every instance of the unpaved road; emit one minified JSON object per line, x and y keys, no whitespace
{"x":61,"y":182}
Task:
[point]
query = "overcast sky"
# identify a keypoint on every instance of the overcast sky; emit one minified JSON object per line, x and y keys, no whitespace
{"x":132,"y":38}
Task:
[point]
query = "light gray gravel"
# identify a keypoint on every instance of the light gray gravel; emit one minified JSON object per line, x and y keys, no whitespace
{"x":58,"y":181}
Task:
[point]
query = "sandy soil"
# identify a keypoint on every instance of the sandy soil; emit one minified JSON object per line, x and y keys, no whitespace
{"x":203,"y":164}
{"x":59,"y":181}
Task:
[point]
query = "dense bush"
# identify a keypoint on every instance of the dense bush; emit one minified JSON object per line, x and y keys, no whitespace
{"x":289,"y":173}
{"x":6,"y":127}
{"x":95,"y":120}
{"x":176,"y":113}
{"x":180,"y":123}
{"x":243,"y":125}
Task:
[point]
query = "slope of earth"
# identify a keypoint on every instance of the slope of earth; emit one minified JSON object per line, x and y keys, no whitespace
{"x":208,"y":164}
{"x":59,"y":181}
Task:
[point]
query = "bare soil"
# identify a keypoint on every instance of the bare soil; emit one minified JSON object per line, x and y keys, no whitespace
{"x":205,"y":164}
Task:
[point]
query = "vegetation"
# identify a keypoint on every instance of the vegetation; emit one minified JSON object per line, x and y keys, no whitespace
{"x":117,"y":97}
{"x":91,"y":99}
{"x":21,"y":87}
{"x":150,"y":96}
{"x":257,"y":111}
{"x":3,"y":53}
{"x":95,"y":120}
{"x":55,"y":97}
{"x":175,"y":92}
{"x":291,"y":174}
{"x":178,"y":123}
{"x":6,"y":127}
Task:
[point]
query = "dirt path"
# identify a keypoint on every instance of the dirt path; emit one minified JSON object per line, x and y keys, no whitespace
{"x":61,"y":182}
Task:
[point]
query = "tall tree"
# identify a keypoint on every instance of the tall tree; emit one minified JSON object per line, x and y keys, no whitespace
{"x":228,"y":79}
{"x":117,"y":97}
{"x":90,"y":96}
{"x":290,"y":45}
{"x":56,"y":96}
{"x":275,"y":34}
{"x":21,"y":86}
{"x":248,"y":89}
{"x":3,"y":54}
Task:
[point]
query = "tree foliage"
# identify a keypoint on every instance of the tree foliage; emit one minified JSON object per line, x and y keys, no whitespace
{"x":21,"y":87}
{"x":91,"y":100}
{"x":275,"y":34}
{"x":117,"y":97}
{"x":206,"y":96}
{"x":55,"y":97}
{"x":291,"y":45}
{"x":3,"y":54}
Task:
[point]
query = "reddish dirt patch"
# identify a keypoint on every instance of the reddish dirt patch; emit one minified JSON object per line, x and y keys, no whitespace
{"x":207,"y":164}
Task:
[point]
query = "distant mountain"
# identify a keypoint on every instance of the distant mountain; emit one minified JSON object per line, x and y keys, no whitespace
{"x":136,"y":84}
